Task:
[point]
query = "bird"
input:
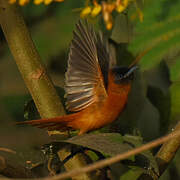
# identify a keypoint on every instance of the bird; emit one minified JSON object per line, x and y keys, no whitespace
{"x":96,"y":92}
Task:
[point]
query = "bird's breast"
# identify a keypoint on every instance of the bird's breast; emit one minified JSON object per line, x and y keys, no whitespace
{"x":114,"y":105}
{"x":104,"y":111}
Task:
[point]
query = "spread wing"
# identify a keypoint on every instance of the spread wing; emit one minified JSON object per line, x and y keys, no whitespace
{"x":88,"y":64}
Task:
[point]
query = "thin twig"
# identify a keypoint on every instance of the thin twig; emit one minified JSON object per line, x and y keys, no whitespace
{"x":11,"y":169}
{"x":168,"y":151}
{"x":139,"y":56}
{"x":7,"y":150}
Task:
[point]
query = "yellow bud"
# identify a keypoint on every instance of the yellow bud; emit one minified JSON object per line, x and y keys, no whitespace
{"x":23,"y":2}
{"x":140,"y":14}
{"x":121,"y":5}
{"x":37,"y":2}
{"x":109,"y":25}
{"x":59,"y":0}
{"x":96,"y":10}
{"x":120,"y":8}
{"x":106,"y":16}
{"x":12,"y":1}
{"x":85,"y":11}
{"x":125,"y":2}
{"x":46,"y":2}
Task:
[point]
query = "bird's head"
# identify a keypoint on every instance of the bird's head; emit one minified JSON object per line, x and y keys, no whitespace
{"x":123,"y":74}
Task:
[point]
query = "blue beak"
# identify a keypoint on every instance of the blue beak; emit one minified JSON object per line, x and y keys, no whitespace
{"x":131,"y":70}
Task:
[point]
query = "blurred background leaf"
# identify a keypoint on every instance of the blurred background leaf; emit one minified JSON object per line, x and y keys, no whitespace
{"x":159,"y":31}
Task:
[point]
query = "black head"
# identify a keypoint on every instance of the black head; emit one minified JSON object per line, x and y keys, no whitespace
{"x":123,"y":74}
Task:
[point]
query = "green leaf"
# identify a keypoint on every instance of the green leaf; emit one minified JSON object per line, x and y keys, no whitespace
{"x":158,"y":77}
{"x":122,"y":31}
{"x":159,"y":96}
{"x":175,"y":70}
{"x":162,"y":101}
{"x":160,"y":31}
{"x":148,"y":121}
{"x":137,"y":141}
{"x":155,"y":55}
{"x":175,"y":103}
{"x":132,"y":174}
{"x":109,"y":144}
{"x":157,"y":33}
{"x":30,"y":111}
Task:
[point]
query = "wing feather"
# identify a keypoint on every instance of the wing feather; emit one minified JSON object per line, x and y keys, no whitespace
{"x":76,"y":89}
{"x":85,"y":70}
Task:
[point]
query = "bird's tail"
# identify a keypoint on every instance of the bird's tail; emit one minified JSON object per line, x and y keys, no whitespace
{"x":57,"y":123}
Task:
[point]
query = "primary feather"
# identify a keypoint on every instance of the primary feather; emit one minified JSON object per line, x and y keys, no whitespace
{"x":88,"y":66}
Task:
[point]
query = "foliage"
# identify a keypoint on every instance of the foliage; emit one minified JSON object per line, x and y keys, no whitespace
{"x":159,"y":31}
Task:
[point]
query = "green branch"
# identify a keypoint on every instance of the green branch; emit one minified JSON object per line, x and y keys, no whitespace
{"x":33,"y":72}
{"x":29,"y":61}
{"x":167,"y":152}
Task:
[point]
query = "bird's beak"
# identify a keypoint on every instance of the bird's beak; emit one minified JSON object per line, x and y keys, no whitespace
{"x":131,"y":70}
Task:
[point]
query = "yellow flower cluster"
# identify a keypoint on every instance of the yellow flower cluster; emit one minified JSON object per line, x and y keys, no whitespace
{"x":24,"y":2}
{"x":104,"y":7}
{"x":94,"y":10}
{"x":45,"y":1}
{"x":107,"y":8}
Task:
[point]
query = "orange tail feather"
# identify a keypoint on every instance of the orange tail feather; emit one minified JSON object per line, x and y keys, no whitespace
{"x":57,"y":123}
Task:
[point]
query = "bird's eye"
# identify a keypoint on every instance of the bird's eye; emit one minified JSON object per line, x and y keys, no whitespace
{"x":120,"y":76}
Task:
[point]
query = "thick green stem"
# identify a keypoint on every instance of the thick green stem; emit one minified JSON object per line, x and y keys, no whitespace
{"x":167,"y":152}
{"x":32,"y":70}
{"x":28,"y":61}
